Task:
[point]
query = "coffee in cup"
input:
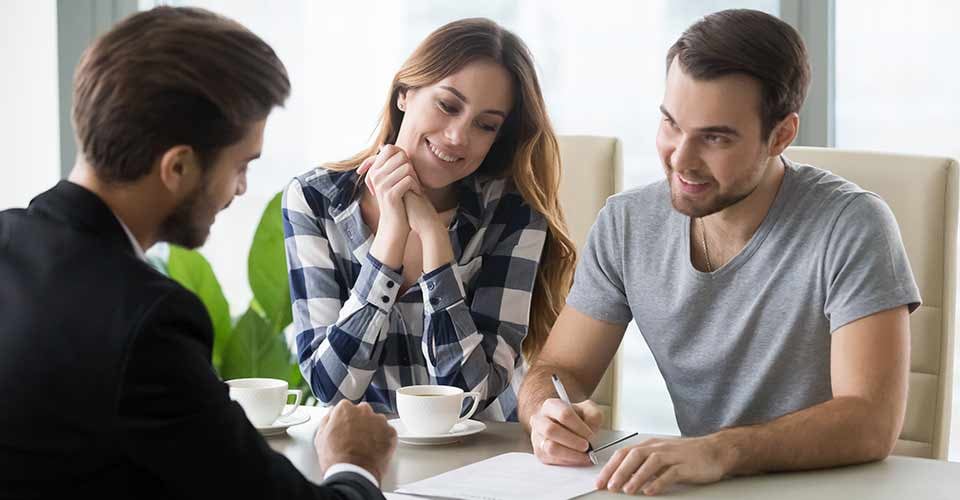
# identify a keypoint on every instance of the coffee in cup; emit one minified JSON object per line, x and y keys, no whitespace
{"x":263,"y":399}
{"x":429,"y":410}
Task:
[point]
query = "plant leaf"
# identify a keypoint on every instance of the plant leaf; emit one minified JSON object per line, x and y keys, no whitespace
{"x":191,"y":269}
{"x":297,"y":381}
{"x":267,"y":267}
{"x":255,"y":349}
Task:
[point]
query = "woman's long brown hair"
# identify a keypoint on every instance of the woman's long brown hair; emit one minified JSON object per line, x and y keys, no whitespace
{"x":526,"y":148}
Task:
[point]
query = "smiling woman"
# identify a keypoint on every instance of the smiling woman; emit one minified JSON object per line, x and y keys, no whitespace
{"x":446,"y":133}
{"x":438,"y":255}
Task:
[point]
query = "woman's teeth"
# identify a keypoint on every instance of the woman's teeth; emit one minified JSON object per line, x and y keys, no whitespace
{"x":440,"y":154}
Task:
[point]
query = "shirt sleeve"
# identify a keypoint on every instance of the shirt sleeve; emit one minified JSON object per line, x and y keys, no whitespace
{"x":341,"y":331}
{"x":476,"y":345}
{"x":356,"y":469}
{"x":865,"y":265}
{"x":598,"y":290}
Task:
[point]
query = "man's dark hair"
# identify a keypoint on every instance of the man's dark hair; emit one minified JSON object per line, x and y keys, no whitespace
{"x":166,"y":77}
{"x":752,"y":43}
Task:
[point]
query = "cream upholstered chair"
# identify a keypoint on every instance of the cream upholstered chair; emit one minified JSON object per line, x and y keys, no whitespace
{"x":922,"y":193}
{"x":592,"y":171}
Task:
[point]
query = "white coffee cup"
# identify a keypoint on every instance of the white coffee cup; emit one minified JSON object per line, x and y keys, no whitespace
{"x":263,"y":399}
{"x":429,"y":410}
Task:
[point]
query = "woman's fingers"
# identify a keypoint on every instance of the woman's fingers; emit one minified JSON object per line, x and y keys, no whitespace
{"x":390,"y":166}
{"x":396,"y":176}
{"x":387,"y":159}
{"x":394,"y":161}
{"x":396,"y":192}
{"x":365,"y":165}
{"x":380,"y":166}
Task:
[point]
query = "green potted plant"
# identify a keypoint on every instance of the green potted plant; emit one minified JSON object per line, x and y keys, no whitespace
{"x":253,"y":344}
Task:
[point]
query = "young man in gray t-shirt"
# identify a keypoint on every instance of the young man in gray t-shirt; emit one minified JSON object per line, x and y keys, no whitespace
{"x":774,"y":296}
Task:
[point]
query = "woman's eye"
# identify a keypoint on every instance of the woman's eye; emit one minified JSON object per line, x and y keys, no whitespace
{"x":445,"y":107}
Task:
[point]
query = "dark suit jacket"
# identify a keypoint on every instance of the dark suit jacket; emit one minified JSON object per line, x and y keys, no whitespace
{"x":106,"y":385}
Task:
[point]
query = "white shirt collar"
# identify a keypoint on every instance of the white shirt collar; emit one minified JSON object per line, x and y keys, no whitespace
{"x":133,"y":241}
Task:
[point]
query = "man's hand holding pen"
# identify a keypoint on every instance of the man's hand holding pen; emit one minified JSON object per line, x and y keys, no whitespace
{"x":560,"y":432}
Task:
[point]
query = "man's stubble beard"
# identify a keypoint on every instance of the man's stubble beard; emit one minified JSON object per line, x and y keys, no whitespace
{"x":720,"y":203}
{"x":183,"y":227}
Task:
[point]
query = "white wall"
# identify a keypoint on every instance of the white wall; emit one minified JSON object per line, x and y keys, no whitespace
{"x":29,"y":131}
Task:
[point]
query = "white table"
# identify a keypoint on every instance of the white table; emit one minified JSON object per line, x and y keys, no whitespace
{"x":894,"y":478}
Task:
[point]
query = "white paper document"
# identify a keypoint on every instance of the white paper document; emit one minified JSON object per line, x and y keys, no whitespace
{"x":508,"y":476}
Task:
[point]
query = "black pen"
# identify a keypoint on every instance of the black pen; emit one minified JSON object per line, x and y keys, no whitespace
{"x":617,"y":441}
{"x":562,"y":392}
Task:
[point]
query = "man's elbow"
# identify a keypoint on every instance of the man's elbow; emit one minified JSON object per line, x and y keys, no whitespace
{"x":881,"y":439}
{"x":879,"y":448}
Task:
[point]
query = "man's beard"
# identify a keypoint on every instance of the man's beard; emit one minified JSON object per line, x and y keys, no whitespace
{"x":183,"y":226}
{"x":718,"y":204}
{"x":722,"y":200}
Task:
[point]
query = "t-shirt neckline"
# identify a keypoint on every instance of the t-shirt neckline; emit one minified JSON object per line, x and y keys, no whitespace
{"x":769,"y":221}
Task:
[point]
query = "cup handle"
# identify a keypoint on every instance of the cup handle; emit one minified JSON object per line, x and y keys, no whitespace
{"x":296,"y":404}
{"x":476,"y":403}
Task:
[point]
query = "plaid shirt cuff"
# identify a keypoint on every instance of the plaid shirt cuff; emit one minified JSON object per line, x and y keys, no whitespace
{"x":377,"y":284}
{"x":441,"y":288}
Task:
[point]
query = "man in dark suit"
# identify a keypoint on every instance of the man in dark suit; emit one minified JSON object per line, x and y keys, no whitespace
{"x":106,"y":385}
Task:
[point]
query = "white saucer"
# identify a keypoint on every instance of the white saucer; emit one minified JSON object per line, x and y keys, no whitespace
{"x":280,"y":425}
{"x":456,"y":434}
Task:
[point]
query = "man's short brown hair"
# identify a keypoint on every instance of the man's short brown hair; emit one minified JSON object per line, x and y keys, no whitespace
{"x":167,"y":77}
{"x":753,"y":43}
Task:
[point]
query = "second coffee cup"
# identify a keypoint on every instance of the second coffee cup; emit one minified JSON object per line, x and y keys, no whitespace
{"x":429,"y":410}
{"x":263,"y":399}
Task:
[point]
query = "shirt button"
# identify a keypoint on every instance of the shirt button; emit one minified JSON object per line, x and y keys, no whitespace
{"x":431,"y":285}
{"x":434,"y":301}
{"x":390,"y":284}
{"x":385,"y":299}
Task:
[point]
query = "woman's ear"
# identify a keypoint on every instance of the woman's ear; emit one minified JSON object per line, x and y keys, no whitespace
{"x":180,"y":170}
{"x":402,"y":100}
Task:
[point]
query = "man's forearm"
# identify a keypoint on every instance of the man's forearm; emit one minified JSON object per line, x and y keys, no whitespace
{"x":845,"y":430}
{"x":537,"y":388}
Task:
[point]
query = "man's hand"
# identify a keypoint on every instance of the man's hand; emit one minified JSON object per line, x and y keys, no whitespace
{"x":656,"y":464}
{"x":559,"y":432}
{"x":354,"y":434}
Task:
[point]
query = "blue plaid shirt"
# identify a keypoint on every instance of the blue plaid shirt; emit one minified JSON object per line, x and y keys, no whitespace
{"x":461,"y":324}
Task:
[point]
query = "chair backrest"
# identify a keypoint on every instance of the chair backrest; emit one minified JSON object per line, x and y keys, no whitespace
{"x":592,"y":171}
{"x":922,"y":193}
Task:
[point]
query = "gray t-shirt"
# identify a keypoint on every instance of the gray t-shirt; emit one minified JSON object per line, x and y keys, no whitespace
{"x":749,"y":342}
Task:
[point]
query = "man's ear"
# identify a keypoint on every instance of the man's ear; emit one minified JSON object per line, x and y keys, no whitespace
{"x":783,"y":134}
{"x":180,"y":170}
